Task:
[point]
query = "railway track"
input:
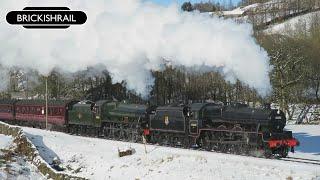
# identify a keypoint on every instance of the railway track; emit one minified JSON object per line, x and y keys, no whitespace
{"x":301,"y":160}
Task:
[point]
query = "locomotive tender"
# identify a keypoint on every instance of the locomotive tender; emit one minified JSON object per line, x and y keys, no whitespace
{"x":235,"y":128}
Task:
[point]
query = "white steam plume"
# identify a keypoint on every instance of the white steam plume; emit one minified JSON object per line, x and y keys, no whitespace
{"x":131,"y":37}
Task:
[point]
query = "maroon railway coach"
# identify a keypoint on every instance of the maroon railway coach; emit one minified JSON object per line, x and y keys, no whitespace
{"x":7,"y":112}
{"x":33,"y":113}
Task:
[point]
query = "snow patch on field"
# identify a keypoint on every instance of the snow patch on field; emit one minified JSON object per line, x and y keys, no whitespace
{"x":5,"y":141}
{"x":15,"y":167}
{"x":98,"y":159}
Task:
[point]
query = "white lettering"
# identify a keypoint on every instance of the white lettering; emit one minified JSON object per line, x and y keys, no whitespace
{"x":53,"y":18}
{"x":34,"y":18}
{"x":40,"y":19}
{"x":72,"y":18}
{"x":19,"y":18}
{"x":24,"y":18}
{"x":65,"y":18}
{"x":47,"y":18}
{"x":59,"y":18}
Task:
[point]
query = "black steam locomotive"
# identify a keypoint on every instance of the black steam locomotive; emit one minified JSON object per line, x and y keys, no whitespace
{"x":235,"y":128}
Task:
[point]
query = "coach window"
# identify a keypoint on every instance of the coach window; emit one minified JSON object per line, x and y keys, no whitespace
{"x":49,"y":111}
{"x":58,"y":111}
{"x":38,"y":110}
{"x":53,"y":111}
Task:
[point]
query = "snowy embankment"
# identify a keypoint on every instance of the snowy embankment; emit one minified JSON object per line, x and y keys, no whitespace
{"x":13,"y":166}
{"x":98,"y":159}
{"x":304,"y":21}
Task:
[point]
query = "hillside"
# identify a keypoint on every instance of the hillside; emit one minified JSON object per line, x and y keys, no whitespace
{"x":292,"y":24}
{"x":274,"y":15}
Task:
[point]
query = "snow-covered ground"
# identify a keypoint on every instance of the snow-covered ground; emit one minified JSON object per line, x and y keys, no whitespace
{"x":303,"y":21}
{"x":240,"y":10}
{"x":98,"y":159}
{"x":16,"y":167}
{"x":5,"y":141}
{"x":309,"y":138}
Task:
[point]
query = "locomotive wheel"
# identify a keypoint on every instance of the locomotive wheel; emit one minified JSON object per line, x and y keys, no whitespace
{"x":178,"y":141}
{"x":129,"y":135}
{"x":125,"y":135}
{"x":164,"y":140}
{"x":155,"y":138}
{"x":267,"y":153}
{"x":71,"y":129}
{"x":186,"y":142}
{"x":121,"y":133}
{"x":112,"y":131}
{"x":242,"y":149}
{"x":206,"y":144}
{"x":117,"y":134}
{"x":161,"y":140}
{"x":136,"y":136}
{"x":107,"y":131}
{"x":223,"y":148}
{"x":283,"y":152}
{"x":130,"y":132}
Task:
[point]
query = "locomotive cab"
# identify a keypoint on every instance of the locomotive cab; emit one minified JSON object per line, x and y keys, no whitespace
{"x":170,"y":119}
{"x":84,"y":113}
{"x":202,"y":116}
